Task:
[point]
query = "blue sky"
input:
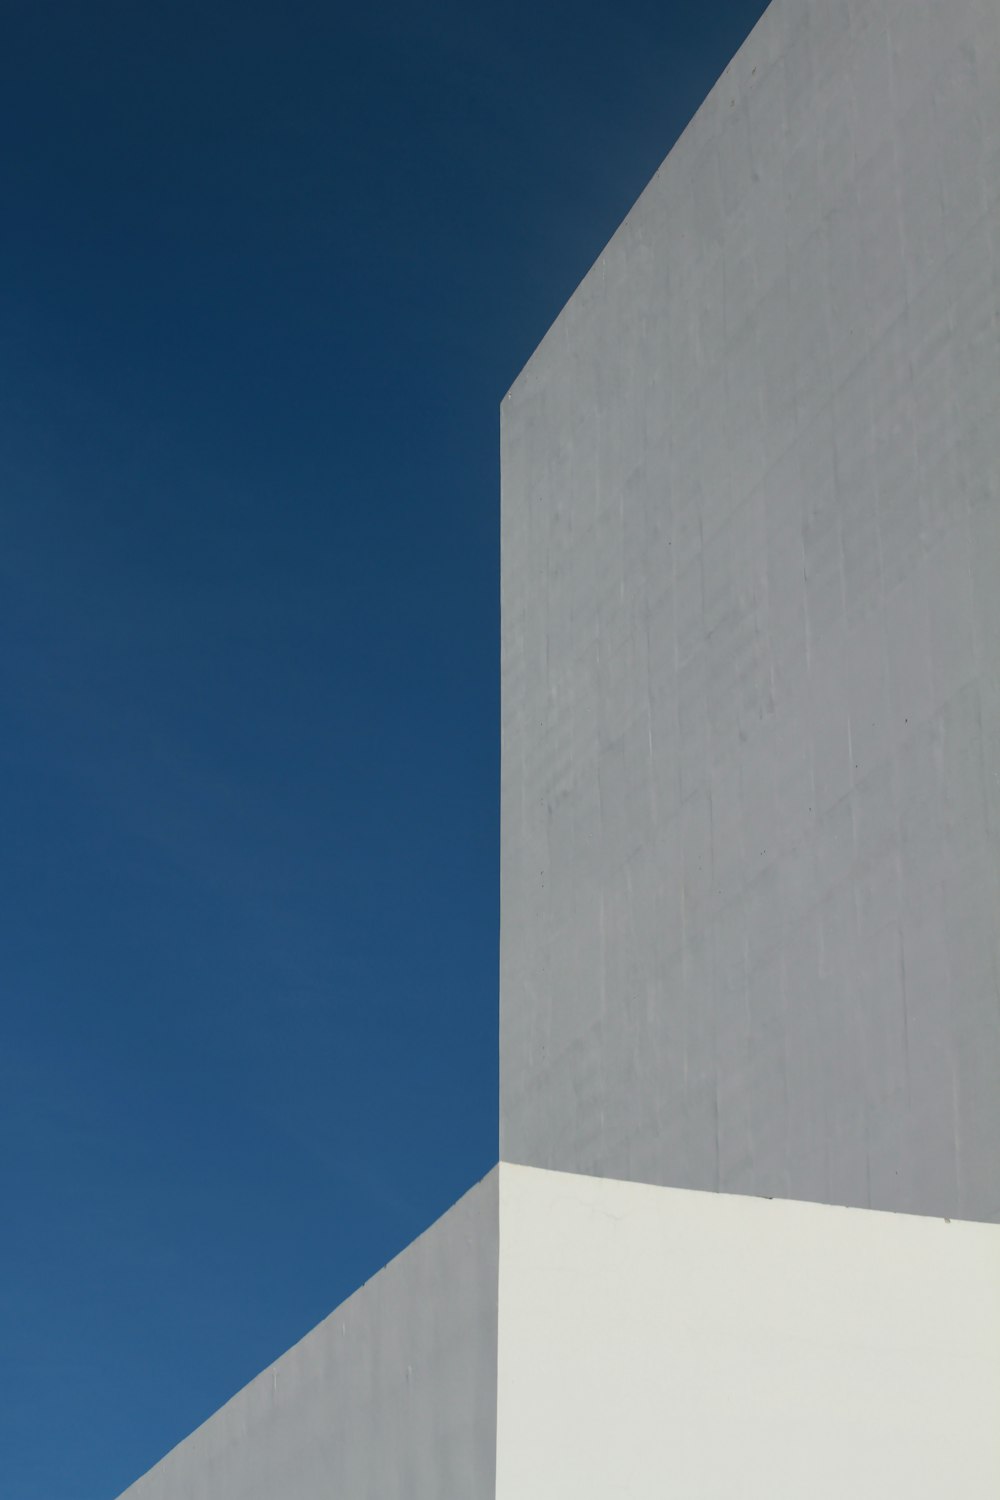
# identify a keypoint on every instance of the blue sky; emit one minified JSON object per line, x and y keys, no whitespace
{"x":266,"y":272}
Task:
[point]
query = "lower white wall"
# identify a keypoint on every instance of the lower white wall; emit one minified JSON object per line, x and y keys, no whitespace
{"x":650,"y":1342}
{"x":663,"y":1343}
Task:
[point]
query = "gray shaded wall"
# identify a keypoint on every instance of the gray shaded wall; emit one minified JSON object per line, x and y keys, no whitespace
{"x":751,"y":643}
{"x":393,"y":1397}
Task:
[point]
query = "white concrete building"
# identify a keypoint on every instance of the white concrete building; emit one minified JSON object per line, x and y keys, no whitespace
{"x":744,"y":1238}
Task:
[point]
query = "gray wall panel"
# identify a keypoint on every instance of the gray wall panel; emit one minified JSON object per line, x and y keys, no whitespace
{"x":751,"y":643}
{"x":393,"y":1397}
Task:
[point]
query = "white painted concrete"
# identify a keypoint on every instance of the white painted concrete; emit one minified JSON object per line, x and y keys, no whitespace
{"x":656,"y":1343}
{"x":750,"y":819}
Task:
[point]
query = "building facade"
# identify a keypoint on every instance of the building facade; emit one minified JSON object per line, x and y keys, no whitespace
{"x":744,"y":1236}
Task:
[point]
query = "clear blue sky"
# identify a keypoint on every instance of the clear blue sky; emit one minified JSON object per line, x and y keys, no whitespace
{"x":266,"y":271}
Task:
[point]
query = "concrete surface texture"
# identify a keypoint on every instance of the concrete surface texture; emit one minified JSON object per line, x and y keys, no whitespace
{"x":393,"y":1396}
{"x":751,"y":643}
{"x":661,"y":1342}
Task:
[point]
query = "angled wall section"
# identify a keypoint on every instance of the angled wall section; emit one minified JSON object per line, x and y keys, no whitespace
{"x":393,"y":1395}
{"x":751,"y":643}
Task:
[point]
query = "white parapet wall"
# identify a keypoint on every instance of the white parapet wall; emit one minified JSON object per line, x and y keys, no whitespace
{"x":658,"y":1342}
{"x":559,"y":1337}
